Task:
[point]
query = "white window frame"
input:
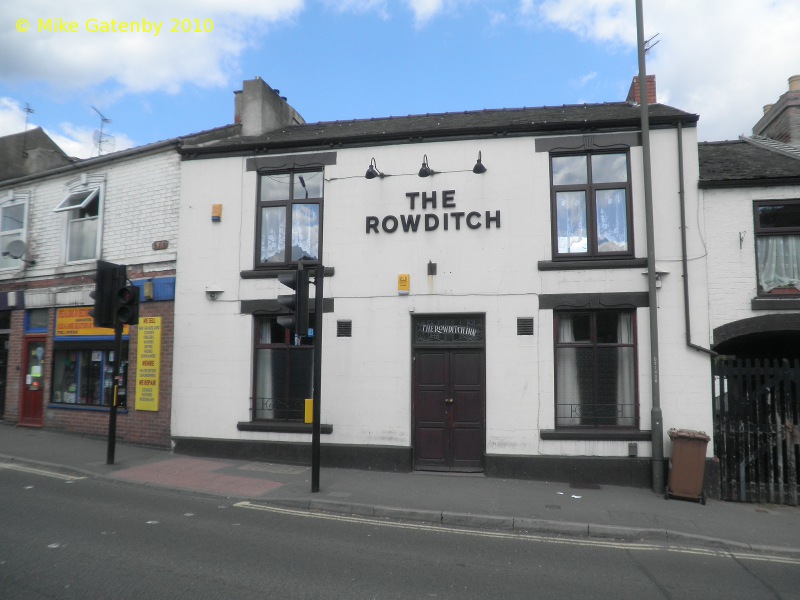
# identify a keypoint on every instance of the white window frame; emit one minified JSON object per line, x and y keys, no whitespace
{"x":10,"y":199}
{"x":81,"y":192}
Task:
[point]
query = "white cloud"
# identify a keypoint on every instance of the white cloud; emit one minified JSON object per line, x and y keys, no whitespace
{"x":12,"y":116}
{"x":380,"y":7}
{"x":722,"y":59}
{"x":134,"y":62}
{"x":425,"y":10}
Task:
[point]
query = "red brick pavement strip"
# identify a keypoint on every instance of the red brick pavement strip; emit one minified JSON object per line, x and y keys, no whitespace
{"x":198,"y":476}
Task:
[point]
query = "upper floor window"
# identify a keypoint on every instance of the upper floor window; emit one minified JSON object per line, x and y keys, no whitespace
{"x":12,"y":227}
{"x":777,"y":228}
{"x":591,"y":205}
{"x":288,"y":222}
{"x":82,"y":204}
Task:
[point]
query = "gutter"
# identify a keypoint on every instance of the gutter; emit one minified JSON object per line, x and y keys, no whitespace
{"x":684,"y":259}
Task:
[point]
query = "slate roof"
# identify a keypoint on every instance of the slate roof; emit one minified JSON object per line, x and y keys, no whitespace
{"x":748,"y":162}
{"x":468,"y":124}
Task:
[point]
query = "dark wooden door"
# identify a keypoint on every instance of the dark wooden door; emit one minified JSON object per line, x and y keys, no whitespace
{"x":32,"y":409}
{"x":449,"y":409}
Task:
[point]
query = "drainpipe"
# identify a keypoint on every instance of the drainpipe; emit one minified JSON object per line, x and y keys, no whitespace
{"x":684,"y":260}
{"x":656,"y":422}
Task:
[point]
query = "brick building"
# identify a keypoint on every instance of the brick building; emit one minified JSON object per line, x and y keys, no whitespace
{"x":57,"y":222}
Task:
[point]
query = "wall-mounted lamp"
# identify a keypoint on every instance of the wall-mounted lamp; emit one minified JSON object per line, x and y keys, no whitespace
{"x":425,"y":170}
{"x":372,"y":171}
{"x":479,"y":168}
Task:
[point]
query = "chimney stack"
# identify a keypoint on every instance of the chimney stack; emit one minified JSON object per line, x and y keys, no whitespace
{"x":633,"y":92}
{"x":259,"y":109}
{"x":781,"y":120}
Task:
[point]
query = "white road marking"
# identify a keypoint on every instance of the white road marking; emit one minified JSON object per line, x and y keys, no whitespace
{"x":634,"y":546}
{"x":34,"y":471}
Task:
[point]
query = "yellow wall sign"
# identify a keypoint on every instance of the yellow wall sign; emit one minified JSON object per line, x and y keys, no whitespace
{"x":403,"y":283}
{"x":76,"y":322}
{"x":148,"y":363}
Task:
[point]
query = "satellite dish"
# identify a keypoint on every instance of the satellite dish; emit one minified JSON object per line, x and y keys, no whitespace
{"x":15,"y":249}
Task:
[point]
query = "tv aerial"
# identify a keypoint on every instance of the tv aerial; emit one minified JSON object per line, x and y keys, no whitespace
{"x":102,"y":141}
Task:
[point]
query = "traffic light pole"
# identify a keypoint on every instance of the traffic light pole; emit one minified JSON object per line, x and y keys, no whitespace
{"x":112,"y":418}
{"x":315,"y":426}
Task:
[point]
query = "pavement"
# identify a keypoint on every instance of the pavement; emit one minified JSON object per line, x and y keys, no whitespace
{"x":472,"y":501}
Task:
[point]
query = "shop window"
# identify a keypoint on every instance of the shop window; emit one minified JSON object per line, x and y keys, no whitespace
{"x":591,"y":205}
{"x":85,"y":376}
{"x":288,"y":221}
{"x":82,"y":206}
{"x":777,"y":229}
{"x":37,"y":320}
{"x":595,"y":358}
{"x":12,"y":227}
{"x":283,"y":372}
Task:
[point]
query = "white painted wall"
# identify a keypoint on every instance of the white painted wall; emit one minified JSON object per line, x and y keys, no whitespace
{"x":367,"y":378}
{"x":139,"y":206}
{"x":732,"y":264}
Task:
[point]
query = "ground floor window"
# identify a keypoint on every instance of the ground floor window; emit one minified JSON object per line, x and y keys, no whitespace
{"x":84,"y":375}
{"x":283,"y":372}
{"x":595,"y":358}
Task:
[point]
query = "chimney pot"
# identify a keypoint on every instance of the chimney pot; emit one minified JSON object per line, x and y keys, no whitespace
{"x":794,"y":83}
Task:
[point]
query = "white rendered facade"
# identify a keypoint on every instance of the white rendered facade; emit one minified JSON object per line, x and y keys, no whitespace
{"x":495,"y":261}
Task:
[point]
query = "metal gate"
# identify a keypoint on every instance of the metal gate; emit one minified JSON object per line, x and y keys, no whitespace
{"x":756,"y":431}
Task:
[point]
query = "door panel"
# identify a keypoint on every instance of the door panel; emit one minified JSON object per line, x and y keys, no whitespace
{"x":32,"y":407}
{"x":449,"y":409}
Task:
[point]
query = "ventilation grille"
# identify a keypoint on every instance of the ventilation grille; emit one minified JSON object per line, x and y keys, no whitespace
{"x":344,"y":329}
{"x":525,"y":326}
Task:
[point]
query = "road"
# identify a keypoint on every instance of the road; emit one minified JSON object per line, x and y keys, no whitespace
{"x":95,"y":538}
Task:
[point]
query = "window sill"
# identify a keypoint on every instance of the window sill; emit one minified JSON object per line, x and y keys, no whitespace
{"x":785,"y":302}
{"x":274,"y":272}
{"x":85,"y":407}
{"x":579,"y":434}
{"x":566,"y":264}
{"x":281,"y":427}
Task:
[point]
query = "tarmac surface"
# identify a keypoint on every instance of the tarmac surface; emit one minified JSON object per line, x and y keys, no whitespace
{"x":471,"y":501}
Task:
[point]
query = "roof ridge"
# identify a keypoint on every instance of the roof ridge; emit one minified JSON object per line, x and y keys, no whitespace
{"x":459,"y":113}
{"x":772,"y":145}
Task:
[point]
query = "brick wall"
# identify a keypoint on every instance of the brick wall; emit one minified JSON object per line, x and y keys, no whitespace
{"x":148,"y":428}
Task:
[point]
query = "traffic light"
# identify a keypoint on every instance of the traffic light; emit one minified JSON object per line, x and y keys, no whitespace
{"x":108,"y":277}
{"x":297,"y":302}
{"x":127,"y":308}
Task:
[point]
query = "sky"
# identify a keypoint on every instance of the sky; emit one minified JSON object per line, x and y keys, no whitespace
{"x":74,"y":63}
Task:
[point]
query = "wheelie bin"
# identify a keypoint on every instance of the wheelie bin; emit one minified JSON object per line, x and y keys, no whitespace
{"x":688,"y":465}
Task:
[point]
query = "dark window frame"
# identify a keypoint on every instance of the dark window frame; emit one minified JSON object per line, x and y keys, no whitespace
{"x":763,"y":231}
{"x":595,"y":346}
{"x":291,"y":345}
{"x":590,"y":189}
{"x":288,"y":204}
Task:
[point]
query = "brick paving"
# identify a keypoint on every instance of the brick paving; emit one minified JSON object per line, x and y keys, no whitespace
{"x":197,"y":475}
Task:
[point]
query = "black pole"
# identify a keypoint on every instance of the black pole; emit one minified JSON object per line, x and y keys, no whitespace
{"x":112,"y":419}
{"x":315,"y":426}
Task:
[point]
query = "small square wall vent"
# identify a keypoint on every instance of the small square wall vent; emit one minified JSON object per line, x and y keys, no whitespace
{"x":525,"y":326}
{"x":344,"y":329}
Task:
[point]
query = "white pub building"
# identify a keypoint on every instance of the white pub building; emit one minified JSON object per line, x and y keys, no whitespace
{"x":486,"y":290}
